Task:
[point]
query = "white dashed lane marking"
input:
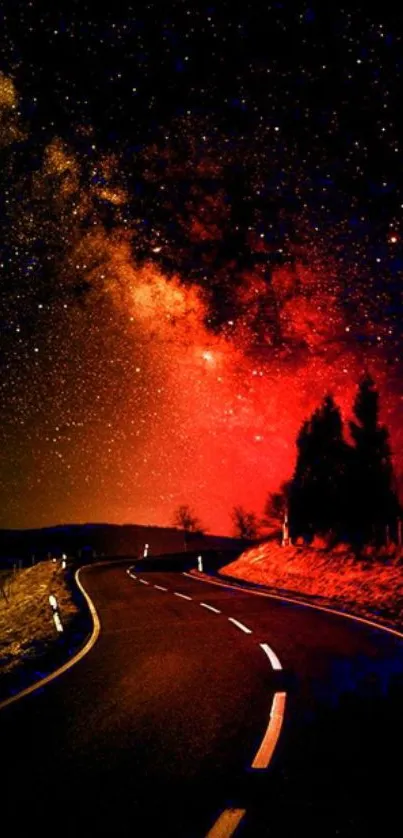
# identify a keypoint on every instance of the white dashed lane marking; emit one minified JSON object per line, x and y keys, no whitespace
{"x":271,"y":655}
{"x":210,"y":608}
{"x":240,"y":625}
{"x":229,"y":820}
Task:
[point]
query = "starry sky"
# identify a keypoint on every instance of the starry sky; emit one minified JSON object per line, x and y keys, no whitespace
{"x":200,"y":213}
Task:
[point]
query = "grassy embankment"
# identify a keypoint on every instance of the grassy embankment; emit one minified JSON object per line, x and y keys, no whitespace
{"x":369,"y":587}
{"x":27,"y":629}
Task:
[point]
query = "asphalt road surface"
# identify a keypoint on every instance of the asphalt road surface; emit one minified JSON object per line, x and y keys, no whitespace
{"x":154,"y":732}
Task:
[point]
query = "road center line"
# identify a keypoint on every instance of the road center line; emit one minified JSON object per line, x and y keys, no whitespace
{"x":183,"y":596}
{"x":240,"y":625}
{"x":227,"y":823}
{"x":160,"y":588}
{"x":143,"y":582}
{"x":271,"y":655}
{"x":210,"y":608}
{"x":272,"y":734}
{"x":300,"y":602}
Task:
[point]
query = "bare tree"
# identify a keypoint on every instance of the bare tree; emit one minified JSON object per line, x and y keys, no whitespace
{"x":185,"y":518}
{"x":245,"y":523}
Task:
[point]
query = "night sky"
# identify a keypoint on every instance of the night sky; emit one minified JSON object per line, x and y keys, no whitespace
{"x":201,"y":235}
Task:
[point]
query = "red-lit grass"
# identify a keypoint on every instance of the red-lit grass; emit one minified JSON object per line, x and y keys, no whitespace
{"x":371,"y":586}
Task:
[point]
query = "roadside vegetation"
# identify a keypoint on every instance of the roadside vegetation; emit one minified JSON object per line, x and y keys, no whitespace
{"x":370,"y":586}
{"x":336,"y":525}
{"x":27,"y":628}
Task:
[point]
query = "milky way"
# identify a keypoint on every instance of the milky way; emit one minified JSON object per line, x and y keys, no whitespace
{"x":177,"y":297}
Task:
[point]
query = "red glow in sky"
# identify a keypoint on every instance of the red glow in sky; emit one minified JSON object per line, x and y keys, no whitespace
{"x":127,"y":390}
{"x":223,"y":428}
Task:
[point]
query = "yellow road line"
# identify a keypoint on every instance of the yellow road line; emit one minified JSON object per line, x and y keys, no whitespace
{"x":226,"y":824}
{"x":272,"y":734}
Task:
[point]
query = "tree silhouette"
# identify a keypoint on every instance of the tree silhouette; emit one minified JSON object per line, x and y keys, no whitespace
{"x":340,"y":490}
{"x":375,"y":505}
{"x":277,"y":504}
{"x":185,"y":518}
{"x":245,"y":523}
{"x":318,"y":489}
{"x":301,"y":490}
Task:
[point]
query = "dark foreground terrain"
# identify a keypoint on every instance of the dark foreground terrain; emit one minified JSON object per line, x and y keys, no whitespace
{"x":155,"y":730}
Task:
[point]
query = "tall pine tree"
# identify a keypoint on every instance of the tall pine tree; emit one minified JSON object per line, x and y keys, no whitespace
{"x":318,"y":494}
{"x":375,"y":505}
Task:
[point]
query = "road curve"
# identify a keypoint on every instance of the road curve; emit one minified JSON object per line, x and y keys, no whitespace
{"x":156,"y":730}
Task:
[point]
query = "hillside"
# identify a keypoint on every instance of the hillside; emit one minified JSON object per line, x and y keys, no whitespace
{"x":87,"y":541}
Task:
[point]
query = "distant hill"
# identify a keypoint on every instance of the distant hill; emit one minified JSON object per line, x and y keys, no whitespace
{"x":83,"y":541}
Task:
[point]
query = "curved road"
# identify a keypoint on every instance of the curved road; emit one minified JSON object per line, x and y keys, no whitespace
{"x":154,"y":732}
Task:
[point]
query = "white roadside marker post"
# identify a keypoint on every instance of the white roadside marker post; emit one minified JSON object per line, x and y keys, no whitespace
{"x":200,"y":563}
{"x":56,"y":616}
{"x":285,"y":541}
{"x":145,"y":551}
{"x":57,"y":621}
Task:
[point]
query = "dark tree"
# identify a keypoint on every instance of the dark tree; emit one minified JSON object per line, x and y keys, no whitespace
{"x":185,"y":518}
{"x":245,"y":523}
{"x":374,"y":499}
{"x":277,"y":503}
{"x":318,"y":500}
{"x":301,"y":507}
